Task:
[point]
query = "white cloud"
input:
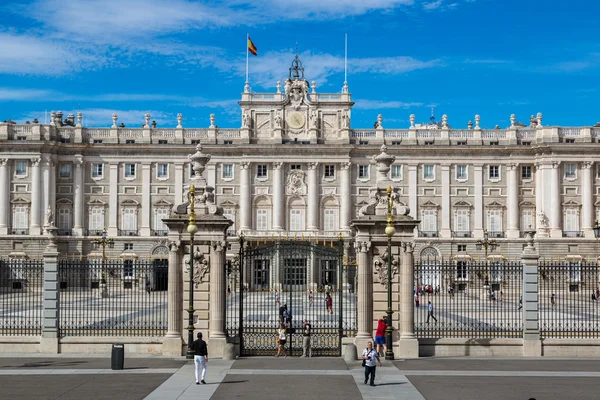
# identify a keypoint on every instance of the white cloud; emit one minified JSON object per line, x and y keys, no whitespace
{"x":14,"y":94}
{"x":378,"y":104}
{"x":433,"y":5}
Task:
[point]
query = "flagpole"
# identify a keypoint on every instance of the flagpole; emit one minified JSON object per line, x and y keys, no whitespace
{"x":247,"y":50}
{"x":345,"y":88}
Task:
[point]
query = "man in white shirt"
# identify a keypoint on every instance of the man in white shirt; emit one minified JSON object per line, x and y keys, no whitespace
{"x":371,"y":359}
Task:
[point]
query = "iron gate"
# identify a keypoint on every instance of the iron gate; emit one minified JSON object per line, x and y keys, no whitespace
{"x":299,"y":274}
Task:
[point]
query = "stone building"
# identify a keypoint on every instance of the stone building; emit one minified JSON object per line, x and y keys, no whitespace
{"x":296,"y":166}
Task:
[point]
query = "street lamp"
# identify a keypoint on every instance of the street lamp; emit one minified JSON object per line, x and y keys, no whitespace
{"x":485,"y":243}
{"x":103,"y":241}
{"x":192,"y":229}
{"x":389,"y":231}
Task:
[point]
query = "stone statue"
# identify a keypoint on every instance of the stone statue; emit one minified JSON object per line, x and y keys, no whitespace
{"x":278,"y":120}
{"x":49,"y":216}
{"x":245,"y":120}
{"x":313,"y":119}
{"x":543,"y":220}
{"x":346,"y":120}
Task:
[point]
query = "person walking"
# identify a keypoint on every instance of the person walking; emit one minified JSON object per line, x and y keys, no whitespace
{"x":553,"y":301}
{"x":380,"y":335}
{"x":329,"y":303}
{"x":281,"y":339}
{"x":306,"y":352}
{"x":282,"y":312}
{"x":277,"y":298}
{"x":430,"y":313}
{"x":370,"y":360}
{"x":310,"y":298}
{"x":200,"y":358}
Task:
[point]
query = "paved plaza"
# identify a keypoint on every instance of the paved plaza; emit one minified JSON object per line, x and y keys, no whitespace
{"x":90,"y":377}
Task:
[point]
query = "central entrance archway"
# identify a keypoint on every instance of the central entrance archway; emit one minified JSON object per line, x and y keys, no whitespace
{"x":297,"y":274}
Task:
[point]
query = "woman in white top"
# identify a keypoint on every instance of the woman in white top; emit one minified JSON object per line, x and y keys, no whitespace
{"x":371,"y":358}
{"x":281,"y":340}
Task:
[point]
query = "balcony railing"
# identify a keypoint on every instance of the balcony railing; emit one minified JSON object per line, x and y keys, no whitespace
{"x":95,"y":232}
{"x":495,"y":234}
{"x":19,"y":231}
{"x":464,"y":234}
{"x":429,"y":234}
{"x":65,"y":232}
{"x":125,"y":232}
{"x":159,"y":232}
{"x":573,"y":234}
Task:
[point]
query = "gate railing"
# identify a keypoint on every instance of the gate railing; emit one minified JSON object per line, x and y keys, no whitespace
{"x":469,"y":300}
{"x":113,"y":297}
{"x":21,"y":296}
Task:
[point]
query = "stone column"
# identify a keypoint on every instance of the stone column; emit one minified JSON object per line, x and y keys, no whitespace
{"x":78,"y":196}
{"x":587,"y":200}
{"x":217,"y":289}
{"x":173,"y":343}
{"x":113,"y":199}
{"x":408,"y":343}
{"x":345,"y":196}
{"x":478,"y":200}
{"x":4,"y":197}
{"x":179,"y":184}
{"x":52,"y":163}
{"x":555,"y":204}
{"x":245,"y":197}
{"x":46,"y":183}
{"x":365,"y":291}
{"x":51,"y":308}
{"x":512,"y":202}
{"x":146,"y":207}
{"x":313,"y":197}
{"x":539,"y":200}
{"x":412,"y":190}
{"x":278,"y":199}
{"x":446,"y":232}
{"x":532,"y":345}
{"x":36,"y":195}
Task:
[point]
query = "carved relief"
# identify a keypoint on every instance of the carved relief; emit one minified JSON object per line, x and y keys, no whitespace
{"x":263,"y":126}
{"x":295,"y":184}
{"x":201,"y":267}
{"x":369,"y":208}
{"x":330,"y":129}
{"x":380,"y":268}
{"x":362,"y":247}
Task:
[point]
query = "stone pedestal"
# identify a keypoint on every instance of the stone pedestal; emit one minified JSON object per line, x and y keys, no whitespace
{"x":532,"y":344}
{"x":49,"y":341}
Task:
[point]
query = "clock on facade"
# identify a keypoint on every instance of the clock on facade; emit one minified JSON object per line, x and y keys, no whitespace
{"x":296,"y":120}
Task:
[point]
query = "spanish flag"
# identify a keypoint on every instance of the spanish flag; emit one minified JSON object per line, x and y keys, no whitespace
{"x":251,"y":47}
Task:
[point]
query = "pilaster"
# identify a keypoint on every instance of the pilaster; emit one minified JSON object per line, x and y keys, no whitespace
{"x":245,"y":196}
{"x":146,"y":208}
{"x":345,"y":196}
{"x":78,"y":195}
{"x":278,"y":199}
{"x":412,"y":189}
{"x":217,"y":289}
{"x":512,"y":203}
{"x":587,"y":200}
{"x":365,"y":289}
{"x":36,"y":194}
{"x":113,"y":206}
{"x":408,"y":343}
{"x":478,"y":200}
{"x":445,"y":230}
{"x":313,"y":197}
{"x":556,"y":203}
{"x":4,"y":196}
{"x":173,"y":341}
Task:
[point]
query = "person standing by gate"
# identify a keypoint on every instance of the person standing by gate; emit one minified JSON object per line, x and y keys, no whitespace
{"x":329,"y":303}
{"x":370,"y":360}
{"x":380,"y":335}
{"x":281,"y":341}
{"x":430,"y":312}
{"x":306,"y":351}
{"x":200,"y":357}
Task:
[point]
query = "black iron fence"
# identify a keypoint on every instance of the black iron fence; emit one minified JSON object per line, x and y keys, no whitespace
{"x":113,"y":297}
{"x":467,"y":299}
{"x":568,"y":300}
{"x":21,"y":296}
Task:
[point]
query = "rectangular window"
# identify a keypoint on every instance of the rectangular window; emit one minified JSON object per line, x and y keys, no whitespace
{"x":128,"y":246}
{"x":162,"y":170}
{"x":261,"y":171}
{"x":64,"y":219}
{"x":20,"y":218}
{"x":330,"y":220}
{"x":162,"y":141}
{"x":363,"y":172}
{"x":428,"y":172}
{"x":97,"y":170}
{"x":21,"y":168}
{"x":296,"y":220}
{"x":494,"y":172}
{"x":526,"y":172}
{"x":396,"y":172}
{"x":65,"y":170}
{"x":571,"y":220}
{"x":527,"y":220}
{"x":494,"y":221}
{"x":159,"y":215}
{"x":462,"y":247}
{"x":129,"y":141}
{"x":230,"y":214}
{"x":227,"y":171}
{"x":330,"y":171}
{"x":129,"y":170}
{"x":96,"y":219}
{"x":127,"y":268}
{"x":429,"y":222}
{"x":461,"y":221}
{"x":295,"y":167}
{"x":571,"y":171}
{"x":461,"y":172}
{"x":129,"y":222}
{"x":262,"y":219}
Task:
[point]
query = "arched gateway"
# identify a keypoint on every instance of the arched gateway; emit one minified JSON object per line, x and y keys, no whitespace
{"x":298,"y":274}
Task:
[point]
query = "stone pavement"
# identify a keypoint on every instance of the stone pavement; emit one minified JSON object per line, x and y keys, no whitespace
{"x":89,"y":377}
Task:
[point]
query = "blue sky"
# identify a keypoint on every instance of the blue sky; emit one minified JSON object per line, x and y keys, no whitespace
{"x":464,"y":57}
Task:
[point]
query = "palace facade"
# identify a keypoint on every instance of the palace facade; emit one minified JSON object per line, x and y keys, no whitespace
{"x":297,"y":167}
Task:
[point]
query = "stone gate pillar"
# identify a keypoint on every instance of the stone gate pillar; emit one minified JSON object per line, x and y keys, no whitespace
{"x":532,"y":345}
{"x":173,"y":343}
{"x":365,"y":291}
{"x":51,"y":305}
{"x":217,"y":289}
{"x":408,"y":344}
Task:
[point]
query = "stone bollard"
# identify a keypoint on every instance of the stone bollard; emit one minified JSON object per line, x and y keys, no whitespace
{"x":229,"y":352}
{"x":350,"y":353}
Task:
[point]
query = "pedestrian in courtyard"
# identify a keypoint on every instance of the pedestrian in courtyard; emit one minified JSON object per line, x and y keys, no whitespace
{"x":430,"y":313}
{"x":329,"y":303}
{"x":310,"y":298}
{"x":306,"y":351}
{"x":370,"y":361}
{"x":277,"y":298}
{"x":553,"y":301}
{"x":520,"y":302}
{"x":147,"y":286}
{"x":228,"y":291}
{"x":287,"y":314}
{"x":349,"y":288}
{"x":380,"y":335}
{"x":501,"y":296}
{"x":417,"y":300}
{"x":200,"y":358}
{"x":281,"y":313}
{"x":281,"y":339}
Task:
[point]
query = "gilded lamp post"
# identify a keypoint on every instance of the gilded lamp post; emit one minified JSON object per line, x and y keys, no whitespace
{"x":102,"y":242}
{"x":192,"y":229}
{"x":389,"y":231}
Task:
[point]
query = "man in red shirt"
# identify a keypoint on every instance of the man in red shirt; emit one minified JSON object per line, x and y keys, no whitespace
{"x":380,"y":335}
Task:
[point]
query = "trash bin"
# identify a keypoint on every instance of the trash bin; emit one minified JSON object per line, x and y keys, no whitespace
{"x":118,"y":356}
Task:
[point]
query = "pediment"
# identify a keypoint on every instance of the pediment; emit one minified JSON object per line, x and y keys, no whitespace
{"x":429,"y":204}
{"x":462,"y":203}
{"x":227,"y":204}
{"x":20,"y":200}
{"x":130,"y":203}
{"x":162,"y":203}
{"x":526,"y":204}
{"x":571,"y":203}
{"x":97,"y":203}
{"x":495,"y":204}
{"x":64,"y":201}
